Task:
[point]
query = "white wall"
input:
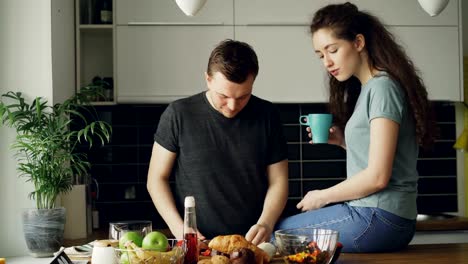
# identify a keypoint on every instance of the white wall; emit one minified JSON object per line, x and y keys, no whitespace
{"x":63,"y":49}
{"x":465,"y":26}
{"x":25,"y":65}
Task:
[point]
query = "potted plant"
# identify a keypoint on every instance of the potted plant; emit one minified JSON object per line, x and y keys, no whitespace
{"x":48,"y":157}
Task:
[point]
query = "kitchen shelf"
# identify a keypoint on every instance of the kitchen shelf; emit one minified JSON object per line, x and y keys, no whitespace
{"x":103,"y":103}
{"x":94,"y":52}
{"x":96,"y":26}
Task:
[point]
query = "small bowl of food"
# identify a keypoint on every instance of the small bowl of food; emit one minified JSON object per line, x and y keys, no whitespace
{"x":133,"y":254}
{"x":307,"y":245}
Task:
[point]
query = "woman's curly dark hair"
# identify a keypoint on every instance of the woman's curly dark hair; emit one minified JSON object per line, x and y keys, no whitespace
{"x":385,"y":54}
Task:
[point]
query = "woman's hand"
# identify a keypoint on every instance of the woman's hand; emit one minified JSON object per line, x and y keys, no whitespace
{"x":312,"y":200}
{"x":336,"y":136}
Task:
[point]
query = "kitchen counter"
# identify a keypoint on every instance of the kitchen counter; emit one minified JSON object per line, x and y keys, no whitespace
{"x":425,"y":225}
{"x":414,"y":254}
{"x":440,"y":229}
{"x":31,"y":260}
{"x":28,"y":260}
{"x":441,"y":222}
{"x":434,"y":253}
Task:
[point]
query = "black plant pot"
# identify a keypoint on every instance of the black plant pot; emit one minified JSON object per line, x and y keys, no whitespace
{"x":43,"y":230}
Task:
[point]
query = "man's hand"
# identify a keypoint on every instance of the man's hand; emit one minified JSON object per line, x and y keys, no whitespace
{"x":259,"y":233}
{"x":200,"y":236}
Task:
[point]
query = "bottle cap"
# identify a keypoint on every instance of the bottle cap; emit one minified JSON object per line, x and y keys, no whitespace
{"x":189,"y":201}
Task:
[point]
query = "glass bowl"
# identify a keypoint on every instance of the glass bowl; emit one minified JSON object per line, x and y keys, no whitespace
{"x":145,"y":256}
{"x":307,"y":245}
{"x":117,"y":229}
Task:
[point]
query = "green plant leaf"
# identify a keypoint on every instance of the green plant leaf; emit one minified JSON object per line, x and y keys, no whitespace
{"x":45,"y":145}
{"x":92,"y":127}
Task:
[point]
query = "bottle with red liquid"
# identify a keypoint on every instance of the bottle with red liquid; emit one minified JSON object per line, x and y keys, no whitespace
{"x":190,"y":231}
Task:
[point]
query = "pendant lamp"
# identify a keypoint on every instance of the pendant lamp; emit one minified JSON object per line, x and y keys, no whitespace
{"x":433,"y":7}
{"x":190,"y":7}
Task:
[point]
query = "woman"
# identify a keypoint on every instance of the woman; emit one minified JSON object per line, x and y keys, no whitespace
{"x":381,"y":104}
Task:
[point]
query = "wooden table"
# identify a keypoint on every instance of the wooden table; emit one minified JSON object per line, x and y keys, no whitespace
{"x":415,"y":254}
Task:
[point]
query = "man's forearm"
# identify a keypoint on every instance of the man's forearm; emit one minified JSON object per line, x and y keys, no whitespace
{"x":275,"y":201}
{"x":162,"y":197}
{"x":276,"y":196}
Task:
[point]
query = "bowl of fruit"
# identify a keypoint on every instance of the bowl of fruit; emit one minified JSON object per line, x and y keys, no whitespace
{"x":154,"y":248}
{"x":308,"y":245}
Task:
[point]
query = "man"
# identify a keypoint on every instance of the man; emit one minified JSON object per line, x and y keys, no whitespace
{"x":226,"y":148}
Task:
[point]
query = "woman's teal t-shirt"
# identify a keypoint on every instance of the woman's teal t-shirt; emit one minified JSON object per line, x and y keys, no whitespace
{"x":383,"y":97}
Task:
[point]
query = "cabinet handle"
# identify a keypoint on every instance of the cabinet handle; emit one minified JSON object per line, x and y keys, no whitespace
{"x":173,"y":24}
{"x":275,"y":24}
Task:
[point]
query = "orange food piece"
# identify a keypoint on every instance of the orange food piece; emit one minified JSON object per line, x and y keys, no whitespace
{"x":303,"y":257}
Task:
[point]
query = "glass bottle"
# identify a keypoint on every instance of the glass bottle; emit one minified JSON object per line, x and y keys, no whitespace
{"x":190,"y":231}
{"x":106,"y":12}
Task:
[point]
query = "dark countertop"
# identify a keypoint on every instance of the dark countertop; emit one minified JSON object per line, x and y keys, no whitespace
{"x":441,"y":223}
{"x":414,"y":254}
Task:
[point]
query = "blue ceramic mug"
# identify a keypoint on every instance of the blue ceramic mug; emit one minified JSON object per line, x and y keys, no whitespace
{"x":319,"y":124}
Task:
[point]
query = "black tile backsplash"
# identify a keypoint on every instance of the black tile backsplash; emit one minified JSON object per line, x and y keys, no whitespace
{"x":443,"y":149}
{"x":436,"y":203}
{"x":445,"y":112}
{"x":294,"y":152}
{"x":295,"y":187}
{"x":322,"y":152}
{"x":437,"y":185}
{"x":324,"y":169}
{"x":316,"y":184}
{"x":121,"y":167}
{"x":294,"y":170}
{"x":124,"y":135}
{"x":292,"y":133}
{"x":289,"y":113}
{"x":447,"y":131}
{"x":437,"y":167}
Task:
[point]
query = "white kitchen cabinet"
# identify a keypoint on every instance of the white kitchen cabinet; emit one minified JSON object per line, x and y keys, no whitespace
{"x":166,"y":11}
{"x":291,"y":72}
{"x":160,"y":54}
{"x":435,"y":52}
{"x":162,"y":63}
{"x":289,"y":69}
{"x":300,"y":12}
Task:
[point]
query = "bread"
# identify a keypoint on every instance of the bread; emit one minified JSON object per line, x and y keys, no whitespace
{"x":227,"y":244}
{"x":219,"y":260}
{"x":205,"y":261}
{"x":215,"y":260}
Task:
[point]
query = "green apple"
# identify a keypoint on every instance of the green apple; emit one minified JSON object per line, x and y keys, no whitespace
{"x":156,"y":241}
{"x":130,"y":235}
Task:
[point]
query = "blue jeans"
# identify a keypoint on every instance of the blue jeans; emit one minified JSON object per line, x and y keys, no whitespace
{"x":361,"y":229}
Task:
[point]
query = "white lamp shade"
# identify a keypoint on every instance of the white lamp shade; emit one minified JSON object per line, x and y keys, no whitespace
{"x":433,"y":7}
{"x":190,"y":7}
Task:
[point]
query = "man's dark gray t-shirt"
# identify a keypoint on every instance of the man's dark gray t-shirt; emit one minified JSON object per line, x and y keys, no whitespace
{"x":222,"y":161}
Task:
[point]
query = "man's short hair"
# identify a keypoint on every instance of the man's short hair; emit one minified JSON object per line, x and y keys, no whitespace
{"x":236,"y":60}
